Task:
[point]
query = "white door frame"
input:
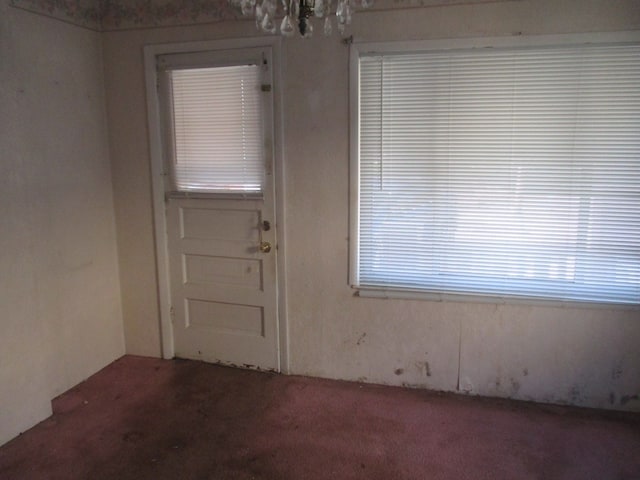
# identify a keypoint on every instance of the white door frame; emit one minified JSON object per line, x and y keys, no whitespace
{"x":159,"y":173}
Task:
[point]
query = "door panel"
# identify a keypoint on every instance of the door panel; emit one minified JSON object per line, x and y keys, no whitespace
{"x":225,"y":317}
{"x":223,"y":286}
{"x":221,"y":272}
{"x":216,"y":224}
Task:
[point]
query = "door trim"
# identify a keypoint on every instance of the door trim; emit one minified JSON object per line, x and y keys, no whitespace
{"x":159,"y":175}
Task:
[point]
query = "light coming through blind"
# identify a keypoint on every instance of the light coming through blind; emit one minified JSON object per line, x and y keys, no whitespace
{"x":218,"y":134}
{"x":502,"y":172}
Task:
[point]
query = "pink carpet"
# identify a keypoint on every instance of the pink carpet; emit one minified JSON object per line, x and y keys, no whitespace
{"x":143,"y":418}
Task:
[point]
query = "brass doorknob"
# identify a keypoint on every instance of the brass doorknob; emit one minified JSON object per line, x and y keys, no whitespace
{"x":265,"y":247}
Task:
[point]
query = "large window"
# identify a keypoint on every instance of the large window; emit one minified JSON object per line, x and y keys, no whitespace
{"x":499,"y":171}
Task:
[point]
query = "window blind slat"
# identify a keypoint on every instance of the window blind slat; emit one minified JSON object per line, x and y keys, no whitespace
{"x":502,"y":172}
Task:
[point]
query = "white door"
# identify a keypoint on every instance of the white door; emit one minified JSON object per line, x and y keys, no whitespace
{"x":217,"y":110}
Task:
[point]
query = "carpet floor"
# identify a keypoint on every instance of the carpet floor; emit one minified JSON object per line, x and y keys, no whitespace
{"x":143,"y":418}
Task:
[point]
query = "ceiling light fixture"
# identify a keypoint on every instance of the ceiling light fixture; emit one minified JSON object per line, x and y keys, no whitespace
{"x":298,"y":13}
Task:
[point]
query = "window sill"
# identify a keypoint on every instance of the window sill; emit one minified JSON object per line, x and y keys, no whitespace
{"x":410,"y":294}
{"x":215,"y":195}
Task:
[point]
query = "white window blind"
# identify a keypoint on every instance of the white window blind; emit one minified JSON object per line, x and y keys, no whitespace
{"x":501,"y":172}
{"x":218,"y":131}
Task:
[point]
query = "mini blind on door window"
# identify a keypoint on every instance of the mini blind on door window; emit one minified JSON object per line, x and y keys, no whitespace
{"x":217,"y":127}
{"x":502,"y":172}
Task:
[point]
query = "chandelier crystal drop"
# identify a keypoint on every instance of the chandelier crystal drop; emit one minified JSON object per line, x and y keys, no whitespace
{"x":297,"y":14}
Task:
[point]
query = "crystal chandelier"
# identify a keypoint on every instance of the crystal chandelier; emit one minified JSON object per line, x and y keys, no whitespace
{"x":297,"y":14}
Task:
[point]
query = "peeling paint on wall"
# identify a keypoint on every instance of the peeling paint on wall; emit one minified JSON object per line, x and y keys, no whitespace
{"x":627,"y":398}
{"x":575,"y":395}
{"x":515,"y":386}
{"x":616,"y":371}
{"x":424,"y":368}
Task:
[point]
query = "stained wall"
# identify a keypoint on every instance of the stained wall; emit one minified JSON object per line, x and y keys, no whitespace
{"x":61,"y":317}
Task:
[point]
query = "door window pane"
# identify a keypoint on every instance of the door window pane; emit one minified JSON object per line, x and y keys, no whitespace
{"x":217,"y":129}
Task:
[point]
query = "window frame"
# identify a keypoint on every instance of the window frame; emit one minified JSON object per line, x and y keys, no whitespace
{"x":367,"y":48}
{"x":262,"y":57}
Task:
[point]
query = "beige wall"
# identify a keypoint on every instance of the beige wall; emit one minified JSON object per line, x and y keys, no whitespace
{"x":582,"y":356}
{"x":61,"y":318}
